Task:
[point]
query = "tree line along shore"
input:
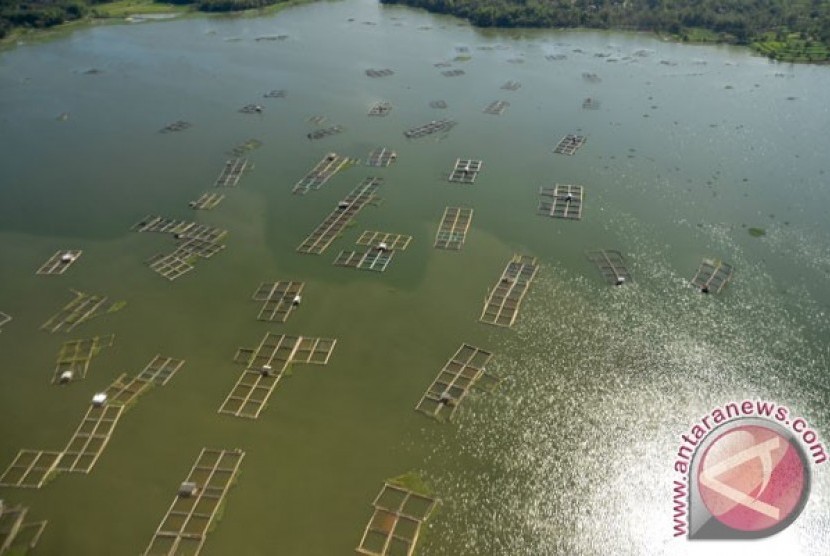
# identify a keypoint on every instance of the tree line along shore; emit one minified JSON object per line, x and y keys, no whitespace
{"x":785,"y":30}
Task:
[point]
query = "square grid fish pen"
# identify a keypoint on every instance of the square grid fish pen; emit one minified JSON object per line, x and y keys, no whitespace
{"x":184,"y":528}
{"x":454,"y":381}
{"x":279,"y":299}
{"x":570,"y":144}
{"x":266,"y":365}
{"x":712,"y":276}
{"x":321,"y":173}
{"x":501,"y":307}
{"x":465,"y":171}
{"x":231,"y":173}
{"x":563,"y":201}
{"x":611,"y":265}
{"x":381,"y":157}
{"x":160,"y":370}
{"x":59,"y":262}
{"x":452,"y":232}
{"x":75,"y":355}
{"x":396,"y":522}
{"x":80,"y":309}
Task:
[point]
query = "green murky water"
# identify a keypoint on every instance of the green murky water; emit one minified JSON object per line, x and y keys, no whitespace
{"x":572,"y":455}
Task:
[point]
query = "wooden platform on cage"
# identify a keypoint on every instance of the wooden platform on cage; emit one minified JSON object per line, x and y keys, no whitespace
{"x":396,"y":522}
{"x":320,"y":174}
{"x":454,"y":381}
{"x":185,"y":526}
{"x":231,"y":172}
{"x":452,"y":232}
{"x":90,"y":439}
{"x":569,"y":144}
{"x":501,"y":306}
{"x":59,"y":262}
{"x":207,"y":201}
{"x":465,"y":171}
{"x":80,"y":309}
{"x":381,"y":157}
{"x":712,"y":276}
{"x":564,"y":201}
{"x":160,"y":370}
{"x":265,"y":366}
{"x":75,"y":356}
{"x":278,"y":298}
{"x":611,"y":265}
{"x":375,"y":260}
{"x":30,"y":469}
{"x":17,"y":536}
{"x":324,"y":234}
{"x":392,"y":242}
{"x":171,"y":266}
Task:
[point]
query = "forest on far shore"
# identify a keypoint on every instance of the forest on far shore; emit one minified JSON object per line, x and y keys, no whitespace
{"x":790,"y":30}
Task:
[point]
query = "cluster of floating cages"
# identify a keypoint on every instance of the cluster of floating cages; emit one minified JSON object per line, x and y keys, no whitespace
{"x":569,"y":144}
{"x":555,"y":57}
{"x":435,"y":126}
{"x":396,"y":522}
{"x":463,"y":371}
{"x":611,"y":265}
{"x":316,"y":120}
{"x":381,"y":157}
{"x":452,"y":72}
{"x":442,"y":64}
{"x":381,"y":250}
{"x":512,"y":86}
{"x":275,"y":93}
{"x":231,"y":172}
{"x":321,"y":173}
{"x":465,"y":171}
{"x":206,"y":201}
{"x":379,"y":73}
{"x":33,"y":468}
{"x":563,"y":201}
{"x":195,"y":241}
{"x":178,"y":125}
{"x":501,"y":306}
{"x":328,"y":230}
{"x":279,"y":299}
{"x":4,"y":318}
{"x":59,"y":262}
{"x":380,"y":109}
{"x":591,"y":77}
{"x":17,"y":536}
{"x":75,"y":356}
{"x":439,"y":104}
{"x":245,"y":147}
{"x":452,"y":232}
{"x":497,"y":107}
{"x":265,"y":366}
{"x":591,"y":103}
{"x":252,"y":109}
{"x":325,"y":132}
{"x":82,"y":308}
{"x":712,"y":276}
{"x":374,"y":260}
{"x":198,"y":502}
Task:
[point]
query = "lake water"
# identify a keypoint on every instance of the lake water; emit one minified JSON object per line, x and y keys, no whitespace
{"x":573,"y":453}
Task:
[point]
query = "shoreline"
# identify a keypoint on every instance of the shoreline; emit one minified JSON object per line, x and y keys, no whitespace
{"x":120,"y":13}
